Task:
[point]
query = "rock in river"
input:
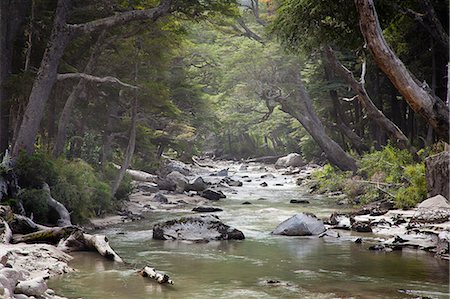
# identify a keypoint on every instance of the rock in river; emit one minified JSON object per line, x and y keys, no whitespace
{"x":212,"y":194}
{"x":206,"y":209}
{"x":203,"y":228}
{"x":291,"y":160}
{"x":300,"y":225}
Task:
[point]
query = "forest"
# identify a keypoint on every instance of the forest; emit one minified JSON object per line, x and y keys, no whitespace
{"x":118,"y":115}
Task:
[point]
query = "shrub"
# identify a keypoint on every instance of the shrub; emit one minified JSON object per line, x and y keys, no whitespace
{"x":416,"y":190}
{"x":35,"y":170}
{"x":81,"y":190}
{"x":401,"y":178}
{"x":330,"y":179}
{"x":390,"y":161}
{"x":35,"y":201}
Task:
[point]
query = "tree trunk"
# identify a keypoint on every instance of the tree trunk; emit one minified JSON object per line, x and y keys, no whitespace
{"x":64,"y":215}
{"x":62,"y":34}
{"x":130,"y":148}
{"x":300,"y":108}
{"x":395,"y":134}
{"x":418,"y":95}
{"x":356,"y":142}
{"x":12,"y":15}
{"x":45,"y":80}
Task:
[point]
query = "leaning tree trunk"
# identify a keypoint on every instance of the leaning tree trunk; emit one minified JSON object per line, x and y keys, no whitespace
{"x":64,"y":215}
{"x":62,"y":34}
{"x":394,"y":132}
{"x":418,"y":95}
{"x":301,"y":109}
{"x":341,"y":120}
{"x":45,"y":80}
{"x":130,"y":149}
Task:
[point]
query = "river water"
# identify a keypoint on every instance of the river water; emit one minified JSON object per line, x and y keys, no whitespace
{"x":308,"y":267}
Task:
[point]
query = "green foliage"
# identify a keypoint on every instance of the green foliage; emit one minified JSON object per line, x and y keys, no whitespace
{"x":74,"y":183}
{"x":390,"y":161}
{"x":307,"y":24}
{"x":80,"y":190}
{"x":416,"y":190}
{"x":330,"y":179}
{"x":35,"y":202}
{"x":35,"y":170}
{"x":400,"y":178}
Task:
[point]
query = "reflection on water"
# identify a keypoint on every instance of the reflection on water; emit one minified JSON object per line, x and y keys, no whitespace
{"x":310,"y":267}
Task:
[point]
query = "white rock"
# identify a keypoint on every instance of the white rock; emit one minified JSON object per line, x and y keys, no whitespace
{"x":291,"y":160}
{"x":32,"y":287}
{"x":435,"y":202}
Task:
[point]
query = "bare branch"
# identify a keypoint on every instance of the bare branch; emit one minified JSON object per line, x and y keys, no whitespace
{"x":164,"y":8}
{"x":107,"y":79}
{"x":248,"y":32}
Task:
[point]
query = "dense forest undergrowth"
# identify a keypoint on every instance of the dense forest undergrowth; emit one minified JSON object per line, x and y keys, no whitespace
{"x":91,"y":89}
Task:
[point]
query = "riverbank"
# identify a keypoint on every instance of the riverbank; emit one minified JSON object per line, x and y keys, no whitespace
{"x":333,"y":266}
{"x":394,"y":229}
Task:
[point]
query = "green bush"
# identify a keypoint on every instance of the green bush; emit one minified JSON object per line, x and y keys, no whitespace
{"x":330,"y":179}
{"x":35,"y":201}
{"x":389,"y":161}
{"x":35,"y":170}
{"x":74,"y":183}
{"x":402,"y":180}
{"x":416,"y":189}
{"x":80,"y":190}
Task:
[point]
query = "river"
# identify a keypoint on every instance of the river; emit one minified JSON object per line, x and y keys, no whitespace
{"x":308,"y":267}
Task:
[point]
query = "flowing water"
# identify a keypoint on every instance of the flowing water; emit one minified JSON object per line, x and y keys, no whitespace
{"x":308,"y":267}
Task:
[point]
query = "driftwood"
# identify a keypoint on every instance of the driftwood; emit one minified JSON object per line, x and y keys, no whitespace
{"x":196,"y":162}
{"x":6,"y":234}
{"x":64,"y":215}
{"x":50,"y":235}
{"x":23,"y":225}
{"x":79,"y":241}
{"x":265,"y":159}
{"x":158,"y":276}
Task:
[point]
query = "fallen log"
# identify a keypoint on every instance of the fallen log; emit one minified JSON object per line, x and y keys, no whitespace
{"x":153,"y":274}
{"x":79,"y":241}
{"x":196,"y":162}
{"x":265,"y":159}
{"x":50,"y":235}
{"x":23,"y":225}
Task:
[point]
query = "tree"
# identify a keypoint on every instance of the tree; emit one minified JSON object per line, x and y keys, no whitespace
{"x":12,"y":16}
{"x":63,"y":33}
{"x":418,"y":95}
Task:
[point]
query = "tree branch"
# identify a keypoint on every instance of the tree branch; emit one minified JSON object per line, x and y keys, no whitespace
{"x":107,"y":79}
{"x":164,"y":8}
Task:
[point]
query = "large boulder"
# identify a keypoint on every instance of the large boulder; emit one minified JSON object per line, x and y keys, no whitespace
{"x":435,"y":209}
{"x":34,"y":287}
{"x":300,"y":225}
{"x":159,"y":197}
{"x":169,"y":166}
{"x":202,"y":228}
{"x":212,"y":194}
{"x":198,"y":184}
{"x":437,"y":174}
{"x":291,"y":160}
{"x":180,"y":181}
{"x":435,"y":202}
